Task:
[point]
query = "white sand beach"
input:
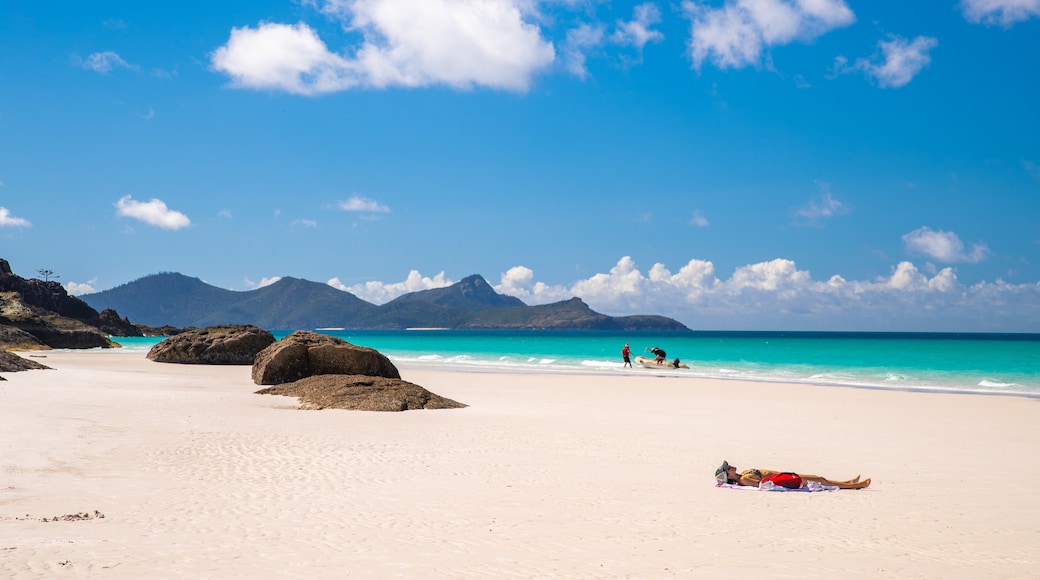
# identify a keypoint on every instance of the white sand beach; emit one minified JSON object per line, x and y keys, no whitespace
{"x":542,"y":476}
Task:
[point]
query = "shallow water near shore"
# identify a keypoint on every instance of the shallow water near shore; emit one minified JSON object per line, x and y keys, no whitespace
{"x":977,"y":363}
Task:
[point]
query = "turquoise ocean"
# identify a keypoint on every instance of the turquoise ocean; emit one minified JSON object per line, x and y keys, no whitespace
{"x":976,"y":363}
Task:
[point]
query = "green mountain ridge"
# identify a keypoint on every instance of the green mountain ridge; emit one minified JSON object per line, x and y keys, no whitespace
{"x":174,"y":299}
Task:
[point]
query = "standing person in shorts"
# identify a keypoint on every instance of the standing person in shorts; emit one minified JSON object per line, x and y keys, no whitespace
{"x":625,"y":354}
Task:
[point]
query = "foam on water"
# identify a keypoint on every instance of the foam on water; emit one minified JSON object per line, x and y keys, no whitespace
{"x":963,"y":363}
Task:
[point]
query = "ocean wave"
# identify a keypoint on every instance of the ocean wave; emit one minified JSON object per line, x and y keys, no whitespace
{"x":601,"y":364}
{"x":995,"y":384}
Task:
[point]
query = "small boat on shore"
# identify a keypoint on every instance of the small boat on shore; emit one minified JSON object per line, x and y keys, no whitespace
{"x":651,"y":363}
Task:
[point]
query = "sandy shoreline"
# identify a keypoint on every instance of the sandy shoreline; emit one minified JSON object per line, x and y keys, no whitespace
{"x":541,"y":477}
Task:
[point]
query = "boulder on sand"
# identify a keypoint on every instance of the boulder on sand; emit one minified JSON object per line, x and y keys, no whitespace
{"x":361,"y":393}
{"x":213,"y":345}
{"x":303,"y":354}
{"x":12,"y":363}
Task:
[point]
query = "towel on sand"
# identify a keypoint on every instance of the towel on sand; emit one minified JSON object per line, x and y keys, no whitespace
{"x":809,"y":487}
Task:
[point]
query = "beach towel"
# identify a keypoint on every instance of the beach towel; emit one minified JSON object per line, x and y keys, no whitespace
{"x":810,"y":487}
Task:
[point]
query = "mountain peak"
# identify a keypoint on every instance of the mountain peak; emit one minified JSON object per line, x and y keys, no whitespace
{"x":295,"y":303}
{"x":472,"y":293}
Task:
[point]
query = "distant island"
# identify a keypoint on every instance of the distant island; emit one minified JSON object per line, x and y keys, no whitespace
{"x":291,"y":303}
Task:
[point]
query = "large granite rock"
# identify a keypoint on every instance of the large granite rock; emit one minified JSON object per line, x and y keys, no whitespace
{"x":361,"y":393}
{"x":12,"y":363}
{"x":303,"y":354}
{"x":214,"y":345}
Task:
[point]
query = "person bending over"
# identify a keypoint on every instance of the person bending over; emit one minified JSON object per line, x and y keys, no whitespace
{"x":727,"y":473}
{"x":659,"y":355}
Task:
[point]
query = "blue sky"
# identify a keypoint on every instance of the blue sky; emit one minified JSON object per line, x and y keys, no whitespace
{"x":737,"y":164}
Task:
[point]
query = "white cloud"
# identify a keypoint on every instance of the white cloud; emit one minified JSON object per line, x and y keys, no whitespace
{"x":363,"y":204}
{"x":942,"y":246}
{"x":283,"y":57}
{"x":225,"y":213}
{"x":304,"y":223}
{"x":103,"y":62}
{"x":77,"y":289}
{"x":265,"y":281}
{"x":824,"y":207}
{"x":638,"y":31}
{"x":776,"y":294}
{"x":1002,"y":12}
{"x":698,"y":219}
{"x":775,"y":276}
{"x":9,"y":221}
{"x":624,"y":286}
{"x":519,"y":281}
{"x":906,"y":277}
{"x":152,"y":212}
{"x":587,"y":38}
{"x":457,"y":43}
{"x":735,"y":35}
{"x":381,"y":293}
{"x":899,"y":60}
{"x":579,"y":41}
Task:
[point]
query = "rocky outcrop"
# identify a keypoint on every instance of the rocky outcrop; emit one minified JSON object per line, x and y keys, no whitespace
{"x":113,"y":325}
{"x":12,"y":338}
{"x":164,"y":330}
{"x":361,"y":393}
{"x":46,"y":311}
{"x":50,"y":329}
{"x":214,"y":345}
{"x":64,"y":333}
{"x":303,"y":354}
{"x":12,"y":363}
{"x":49,"y":296}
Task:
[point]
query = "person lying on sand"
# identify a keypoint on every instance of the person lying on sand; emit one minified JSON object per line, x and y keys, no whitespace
{"x":727,"y":473}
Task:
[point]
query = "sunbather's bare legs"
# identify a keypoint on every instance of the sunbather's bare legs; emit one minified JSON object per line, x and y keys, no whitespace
{"x":853,"y":483}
